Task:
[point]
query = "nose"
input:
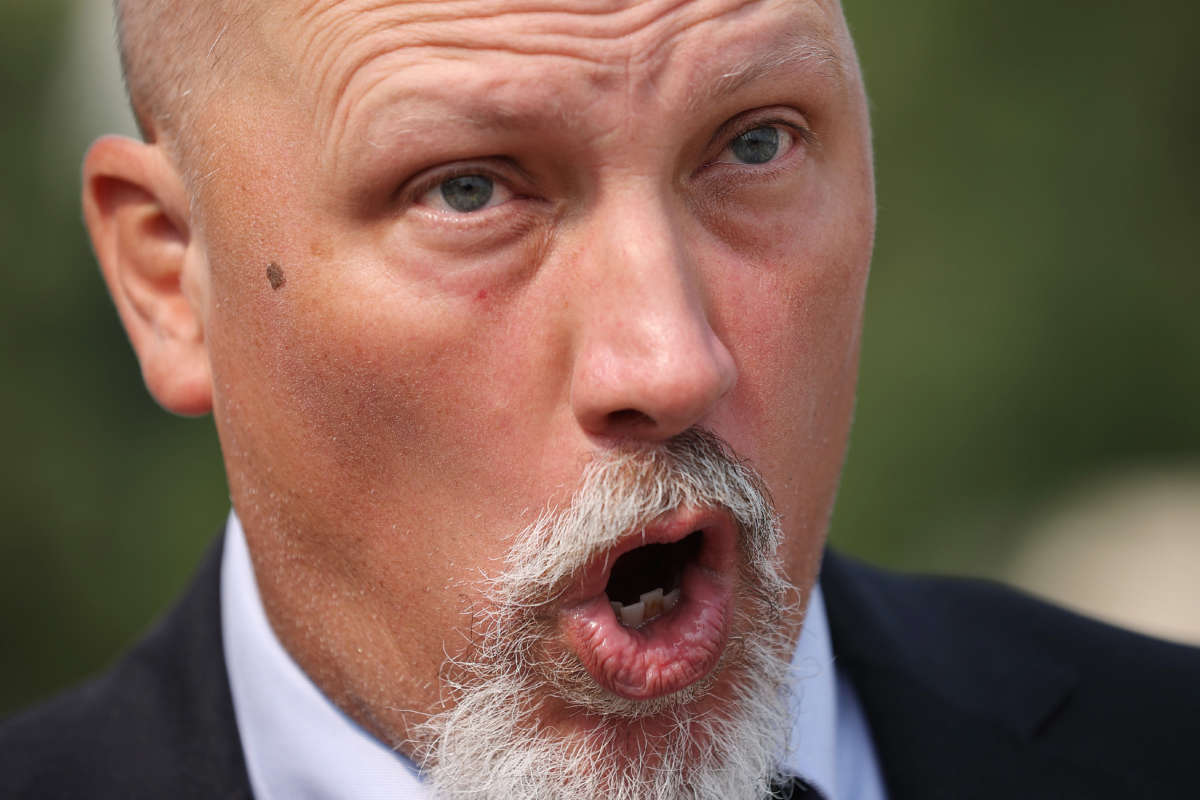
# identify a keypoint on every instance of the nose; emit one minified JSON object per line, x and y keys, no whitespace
{"x":648,"y":364}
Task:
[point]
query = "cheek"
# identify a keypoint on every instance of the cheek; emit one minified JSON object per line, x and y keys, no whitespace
{"x":377,"y":438}
{"x":792,"y":318}
{"x":381,"y":410}
{"x":793,"y":263}
{"x":797,"y":365}
{"x":791,"y":312}
{"x":375,"y":386}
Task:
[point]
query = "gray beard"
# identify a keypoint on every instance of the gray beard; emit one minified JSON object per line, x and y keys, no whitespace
{"x":704,"y":744}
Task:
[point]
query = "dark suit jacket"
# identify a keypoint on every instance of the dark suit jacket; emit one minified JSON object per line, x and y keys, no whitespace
{"x":971,"y":691}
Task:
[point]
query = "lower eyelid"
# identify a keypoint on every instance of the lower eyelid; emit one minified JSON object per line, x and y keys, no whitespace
{"x":514,"y":214}
{"x":469,"y":235}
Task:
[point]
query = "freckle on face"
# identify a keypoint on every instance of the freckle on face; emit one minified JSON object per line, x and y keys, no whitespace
{"x":275,"y":276}
{"x":320,"y":249}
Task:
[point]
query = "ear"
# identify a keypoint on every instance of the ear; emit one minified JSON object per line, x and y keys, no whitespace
{"x":137,"y":212}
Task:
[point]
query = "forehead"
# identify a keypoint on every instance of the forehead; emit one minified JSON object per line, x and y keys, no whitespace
{"x":536,"y":57}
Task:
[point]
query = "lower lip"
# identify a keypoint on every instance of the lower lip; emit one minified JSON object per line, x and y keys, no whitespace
{"x":665,"y":655}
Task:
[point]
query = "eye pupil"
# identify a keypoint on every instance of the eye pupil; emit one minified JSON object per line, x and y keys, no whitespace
{"x":756,"y":146}
{"x":467,"y":192}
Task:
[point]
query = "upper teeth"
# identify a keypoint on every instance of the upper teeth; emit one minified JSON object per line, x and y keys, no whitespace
{"x":652,"y":604}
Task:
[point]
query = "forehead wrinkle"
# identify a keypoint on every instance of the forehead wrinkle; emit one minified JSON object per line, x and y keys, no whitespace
{"x":327,"y":33}
{"x":382,"y":40}
{"x":612,"y":19}
{"x":419,"y":16}
{"x":341,"y":41}
{"x":418,"y":107}
{"x":609,"y":34}
{"x":534,"y":106}
{"x":651,"y":58}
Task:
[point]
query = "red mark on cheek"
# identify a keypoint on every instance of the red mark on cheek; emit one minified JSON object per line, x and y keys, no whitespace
{"x":482,"y":295}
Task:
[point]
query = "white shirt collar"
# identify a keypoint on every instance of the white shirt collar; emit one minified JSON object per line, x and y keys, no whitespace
{"x":812,"y":746}
{"x":300,"y":746}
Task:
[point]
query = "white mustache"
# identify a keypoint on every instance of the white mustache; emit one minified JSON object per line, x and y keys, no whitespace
{"x":625,"y":489}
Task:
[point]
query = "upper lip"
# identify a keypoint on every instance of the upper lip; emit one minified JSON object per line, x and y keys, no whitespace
{"x":719,"y":536}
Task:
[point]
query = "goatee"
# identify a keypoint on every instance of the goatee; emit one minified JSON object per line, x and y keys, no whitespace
{"x":718,"y":739}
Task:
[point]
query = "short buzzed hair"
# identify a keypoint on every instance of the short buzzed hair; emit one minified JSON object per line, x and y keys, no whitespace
{"x":171,"y":53}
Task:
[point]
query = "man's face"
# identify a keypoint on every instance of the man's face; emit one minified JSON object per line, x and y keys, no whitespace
{"x":458,"y":251}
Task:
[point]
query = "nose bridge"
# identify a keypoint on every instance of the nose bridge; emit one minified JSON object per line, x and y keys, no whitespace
{"x":647,"y":267}
{"x":648,"y":363}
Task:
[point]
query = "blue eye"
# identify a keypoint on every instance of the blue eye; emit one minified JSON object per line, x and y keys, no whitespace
{"x":756,"y":146}
{"x":759,"y":145}
{"x":467,"y":193}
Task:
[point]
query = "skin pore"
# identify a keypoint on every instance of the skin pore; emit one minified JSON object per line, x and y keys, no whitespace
{"x":670,"y":217}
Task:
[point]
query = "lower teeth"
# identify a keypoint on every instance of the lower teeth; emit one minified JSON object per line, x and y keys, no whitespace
{"x":652,"y":605}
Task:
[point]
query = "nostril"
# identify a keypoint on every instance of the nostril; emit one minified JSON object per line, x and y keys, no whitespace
{"x":627,"y":418}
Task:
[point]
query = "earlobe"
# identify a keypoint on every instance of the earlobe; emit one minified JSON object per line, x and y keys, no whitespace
{"x":137,"y":213}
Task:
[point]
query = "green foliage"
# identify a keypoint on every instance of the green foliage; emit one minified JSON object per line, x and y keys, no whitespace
{"x":107,"y":501}
{"x":1031,"y":318}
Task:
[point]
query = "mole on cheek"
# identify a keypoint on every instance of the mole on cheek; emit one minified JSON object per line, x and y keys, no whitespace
{"x":275,"y":275}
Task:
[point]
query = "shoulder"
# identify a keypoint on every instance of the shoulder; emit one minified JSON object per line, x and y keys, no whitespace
{"x":159,"y":723}
{"x":931,"y":604}
{"x":1042,"y":684}
{"x":947,"y":613}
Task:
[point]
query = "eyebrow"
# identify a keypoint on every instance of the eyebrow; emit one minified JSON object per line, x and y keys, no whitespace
{"x":797,"y":50}
{"x":442,"y":111}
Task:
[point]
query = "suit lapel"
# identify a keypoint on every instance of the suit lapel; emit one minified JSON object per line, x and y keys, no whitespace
{"x":159,"y":723}
{"x":955,"y":705}
{"x":198,"y":751}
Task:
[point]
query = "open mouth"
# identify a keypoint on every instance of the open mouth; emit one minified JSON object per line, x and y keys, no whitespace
{"x":660,"y":566}
{"x":650,"y":616}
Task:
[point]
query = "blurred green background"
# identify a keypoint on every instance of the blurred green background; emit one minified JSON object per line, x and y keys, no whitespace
{"x":1032,"y":334}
